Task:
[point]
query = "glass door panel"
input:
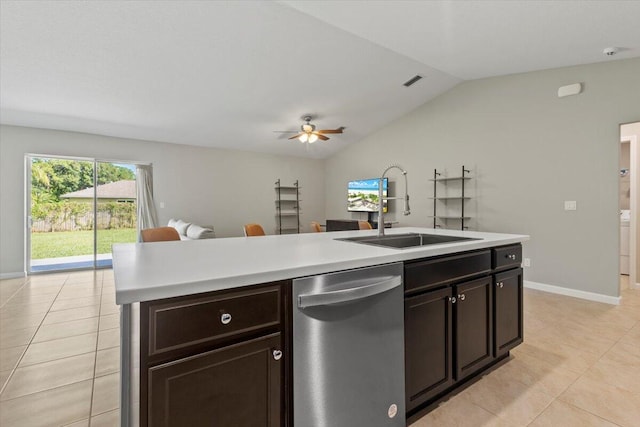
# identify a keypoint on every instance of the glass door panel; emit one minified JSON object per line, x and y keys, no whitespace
{"x":61,"y":217}
{"x":116,"y":217}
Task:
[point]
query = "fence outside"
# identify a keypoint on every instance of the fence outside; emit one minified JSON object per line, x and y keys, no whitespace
{"x":76,"y":216}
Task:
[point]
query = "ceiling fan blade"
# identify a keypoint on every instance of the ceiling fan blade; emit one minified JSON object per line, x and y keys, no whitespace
{"x":296,"y":136}
{"x":339,"y":130}
{"x":320,"y":136}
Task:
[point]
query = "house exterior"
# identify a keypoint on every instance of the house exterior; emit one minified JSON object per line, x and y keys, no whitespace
{"x":120,"y":191}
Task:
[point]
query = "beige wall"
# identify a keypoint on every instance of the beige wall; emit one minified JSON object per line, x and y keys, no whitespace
{"x":529,"y":151}
{"x":223,"y":188}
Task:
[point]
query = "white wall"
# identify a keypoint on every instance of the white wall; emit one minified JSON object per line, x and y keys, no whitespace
{"x":529,"y":151}
{"x":223,"y":188}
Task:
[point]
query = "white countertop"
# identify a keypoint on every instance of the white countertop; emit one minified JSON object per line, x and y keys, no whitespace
{"x":148,"y":271}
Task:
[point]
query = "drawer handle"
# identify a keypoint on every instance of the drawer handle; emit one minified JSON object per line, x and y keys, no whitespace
{"x":225,"y":318}
{"x":500,"y":285}
{"x":277,"y":354}
{"x":511,"y":256}
{"x":461,"y":297}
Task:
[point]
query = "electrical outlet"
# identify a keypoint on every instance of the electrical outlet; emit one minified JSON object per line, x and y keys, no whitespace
{"x":527,"y":262}
{"x":570,"y":205}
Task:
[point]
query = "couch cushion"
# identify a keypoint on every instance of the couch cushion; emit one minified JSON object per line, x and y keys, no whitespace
{"x":172,"y":223}
{"x":197,"y":232}
{"x":182,"y":227}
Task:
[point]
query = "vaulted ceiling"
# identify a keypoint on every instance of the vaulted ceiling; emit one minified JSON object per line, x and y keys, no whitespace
{"x":228,"y":74}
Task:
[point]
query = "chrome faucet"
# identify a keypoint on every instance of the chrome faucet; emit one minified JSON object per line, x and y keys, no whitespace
{"x":381,"y":199}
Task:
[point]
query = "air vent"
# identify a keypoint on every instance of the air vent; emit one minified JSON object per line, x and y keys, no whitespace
{"x":412,"y":80}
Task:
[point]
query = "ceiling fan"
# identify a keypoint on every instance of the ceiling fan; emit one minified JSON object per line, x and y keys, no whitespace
{"x":310,"y":134}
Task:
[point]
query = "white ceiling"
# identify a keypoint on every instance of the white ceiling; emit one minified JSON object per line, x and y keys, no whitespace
{"x":227,"y":74}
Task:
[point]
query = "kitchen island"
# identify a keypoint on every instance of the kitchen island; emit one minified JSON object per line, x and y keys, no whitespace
{"x":172,"y":283}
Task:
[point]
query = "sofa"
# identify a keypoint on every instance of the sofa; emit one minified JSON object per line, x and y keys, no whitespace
{"x":189,"y":231}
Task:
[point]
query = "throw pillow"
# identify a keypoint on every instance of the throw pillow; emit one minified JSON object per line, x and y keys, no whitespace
{"x":182,"y":227}
{"x":197,"y":232}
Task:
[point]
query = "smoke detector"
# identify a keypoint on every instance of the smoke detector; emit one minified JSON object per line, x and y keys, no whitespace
{"x":610,"y":51}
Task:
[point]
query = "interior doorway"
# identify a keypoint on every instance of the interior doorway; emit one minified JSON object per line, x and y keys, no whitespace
{"x":76,"y":209}
{"x":629,"y":204}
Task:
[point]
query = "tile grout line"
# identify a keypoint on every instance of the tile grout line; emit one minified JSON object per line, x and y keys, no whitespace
{"x":27,"y":280}
{"x":95,"y":360}
{"x":30,"y":343}
{"x":591,"y":413}
{"x":76,"y":382}
{"x":575,"y":381}
{"x":583,"y":374}
{"x":13,"y":370}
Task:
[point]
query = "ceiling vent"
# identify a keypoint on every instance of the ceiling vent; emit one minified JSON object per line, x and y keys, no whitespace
{"x":412,"y":80}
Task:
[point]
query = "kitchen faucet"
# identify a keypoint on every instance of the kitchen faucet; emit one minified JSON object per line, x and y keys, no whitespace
{"x":381,"y":199}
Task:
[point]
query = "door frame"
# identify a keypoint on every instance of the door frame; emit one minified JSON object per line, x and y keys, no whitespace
{"x":633,"y":205}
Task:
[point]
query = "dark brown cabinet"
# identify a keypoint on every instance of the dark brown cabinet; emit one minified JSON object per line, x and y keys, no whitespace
{"x":508,"y":311}
{"x":459,"y":319}
{"x":238,"y":385}
{"x":473,"y":326}
{"x":220,"y":358}
{"x":429,"y":347}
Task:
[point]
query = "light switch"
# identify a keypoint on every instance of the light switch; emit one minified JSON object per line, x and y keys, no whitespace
{"x":161,"y":205}
{"x":570,"y":205}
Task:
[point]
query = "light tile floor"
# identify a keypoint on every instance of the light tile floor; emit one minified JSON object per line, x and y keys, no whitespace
{"x":579,"y":365}
{"x":59,"y":350}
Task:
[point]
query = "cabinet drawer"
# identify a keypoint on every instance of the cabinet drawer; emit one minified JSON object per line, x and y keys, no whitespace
{"x":428,"y":274}
{"x":507,"y":256}
{"x":213,"y":318}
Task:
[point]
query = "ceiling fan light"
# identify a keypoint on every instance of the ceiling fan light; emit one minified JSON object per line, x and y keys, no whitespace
{"x":307,"y":128}
{"x":313,"y":138}
{"x":303,"y":138}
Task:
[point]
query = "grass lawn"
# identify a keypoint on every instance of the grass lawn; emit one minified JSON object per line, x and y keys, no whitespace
{"x":72,"y":243}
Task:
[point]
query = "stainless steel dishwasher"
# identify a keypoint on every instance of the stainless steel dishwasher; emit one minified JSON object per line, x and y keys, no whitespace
{"x":348,"y":349}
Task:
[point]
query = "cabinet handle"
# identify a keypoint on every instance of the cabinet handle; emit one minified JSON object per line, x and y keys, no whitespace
{"x":225,"y":318}
{"x":277,"y":354}
{"x":500,"y":285}
{"x":461,"y":297}
{"x":511,"y":256}
{"x":452,"y":300}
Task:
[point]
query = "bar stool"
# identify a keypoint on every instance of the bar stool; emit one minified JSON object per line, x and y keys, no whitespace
{"x":364,"y":225}
{"x":159,"y":234}
{"x":253,"y":230}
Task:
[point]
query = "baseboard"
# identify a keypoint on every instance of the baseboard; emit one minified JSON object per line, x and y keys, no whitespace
{"x":12,"y":275}
{"x":591,"y":296}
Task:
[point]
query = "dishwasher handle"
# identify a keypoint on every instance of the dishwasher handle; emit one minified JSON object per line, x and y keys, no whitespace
{"x":350,"y":294}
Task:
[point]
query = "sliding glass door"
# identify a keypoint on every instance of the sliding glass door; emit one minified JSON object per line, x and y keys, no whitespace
{"x":77,"y":208}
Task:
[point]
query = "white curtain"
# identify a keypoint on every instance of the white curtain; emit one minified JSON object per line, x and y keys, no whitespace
{"x":147,"y":215}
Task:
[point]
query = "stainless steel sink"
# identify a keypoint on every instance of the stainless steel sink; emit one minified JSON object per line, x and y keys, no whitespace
{"x":407,"y":240}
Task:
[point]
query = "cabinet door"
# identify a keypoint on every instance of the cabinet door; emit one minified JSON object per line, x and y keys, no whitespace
{"x":238,"y":385}
{"x":508,"y":311}
{"x":473,"y":326}
{"x":428,"y":346}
